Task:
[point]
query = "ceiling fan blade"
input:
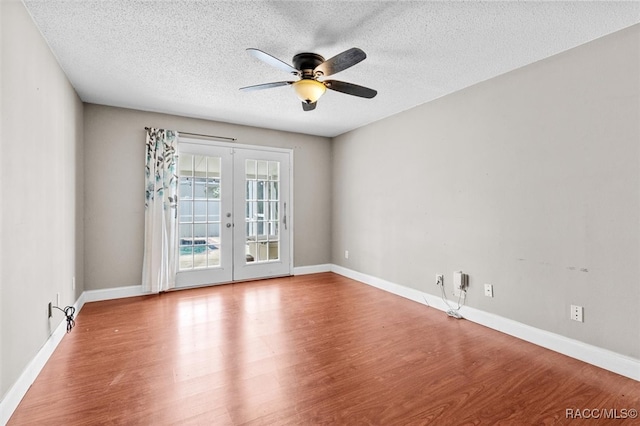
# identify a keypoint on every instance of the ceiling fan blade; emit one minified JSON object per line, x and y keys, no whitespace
{"x":309,"y":107}
{"x":266,"y":85}
{"x":350,"y":89}
{"x":271,"y":60}
{"x":341,"y":61}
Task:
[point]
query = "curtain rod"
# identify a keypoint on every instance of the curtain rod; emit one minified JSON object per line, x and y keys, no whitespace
{"x":203,"y":135}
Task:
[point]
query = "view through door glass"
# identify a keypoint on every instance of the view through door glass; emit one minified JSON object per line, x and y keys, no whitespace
{"x":199,"y":208}
{"x":262,"y":207}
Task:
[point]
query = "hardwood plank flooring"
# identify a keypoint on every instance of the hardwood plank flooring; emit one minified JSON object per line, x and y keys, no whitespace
{"x":314,"y":349}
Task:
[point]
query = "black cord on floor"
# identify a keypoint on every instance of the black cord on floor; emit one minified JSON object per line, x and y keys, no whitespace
{"x":69,"y":311}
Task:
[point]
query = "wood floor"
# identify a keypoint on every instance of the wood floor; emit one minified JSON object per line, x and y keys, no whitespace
{"x":315,"y":349}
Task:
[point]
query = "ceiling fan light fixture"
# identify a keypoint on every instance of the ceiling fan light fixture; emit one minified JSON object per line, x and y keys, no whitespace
{"x":311,"y":66}
{"x":308,"y":90}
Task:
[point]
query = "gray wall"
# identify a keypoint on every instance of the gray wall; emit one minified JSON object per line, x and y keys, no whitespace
{"x":41,"y":192}
{"x":529,"y":181}
{"x":114,"y":189}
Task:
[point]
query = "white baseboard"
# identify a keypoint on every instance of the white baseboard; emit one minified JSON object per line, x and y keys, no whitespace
{"x":113,"y":293}
{"x":313,"y":269}
{"x":603,"y":358}
{"x":15,"y":394}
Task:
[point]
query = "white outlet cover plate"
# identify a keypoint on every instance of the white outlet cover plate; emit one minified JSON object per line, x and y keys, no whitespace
{"x":488,"y":290}
{"x":577,"y":313}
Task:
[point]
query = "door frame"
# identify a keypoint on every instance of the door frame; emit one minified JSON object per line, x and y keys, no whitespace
{"x":290,"y":209}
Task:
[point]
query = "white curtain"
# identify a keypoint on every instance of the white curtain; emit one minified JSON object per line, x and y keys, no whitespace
{"x":159,"y":263}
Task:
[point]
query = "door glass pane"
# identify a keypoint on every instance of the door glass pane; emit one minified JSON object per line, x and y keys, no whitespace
{"x":261,"y":208}
{"x":186,"y":211}
{"x":273,"y":210}
{"x":186,"y":258}
{"x":213,"y":244}
{"x":252,"y":252}
{"x":199,"y":212}
{"x":274,"y":170}
{"x":273,"y":250}
{"x":273,"y":231}
{"x":199,"y":233}
{"x":213,"y":211}
{"x":262,"y":252}
{"x":273,"y":191}
{"x":186,"y":234}
{"x":200,"y":189}
{"x":185,"y":241}
{"x":200,"y":165}
{"x":213,"y":167}
{"x":199,"y":245}
{"x":250,"y":167}
{"x":251,"y":190}
{"x":251,"y":231}
{"x":185,"y":165}
{"x":263,"y":170}
{"x":213,"y":188}
{"x":185,"y":188}
{"x":262,"y":230}
{"x":213,"y":235}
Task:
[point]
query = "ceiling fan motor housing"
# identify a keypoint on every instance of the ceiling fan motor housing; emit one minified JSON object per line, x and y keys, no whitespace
{"x":307,"y":63}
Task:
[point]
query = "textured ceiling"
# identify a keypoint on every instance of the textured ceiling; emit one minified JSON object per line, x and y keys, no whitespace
{"x":188,"y":57}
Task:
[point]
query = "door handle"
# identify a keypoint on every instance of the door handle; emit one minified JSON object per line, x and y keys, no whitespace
{"x":284,"y":218}
{"x":228,"y":225}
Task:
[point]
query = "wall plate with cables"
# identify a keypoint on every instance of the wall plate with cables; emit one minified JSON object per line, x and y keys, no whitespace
{"x":452,"y":312}
{"x":460,"y":283}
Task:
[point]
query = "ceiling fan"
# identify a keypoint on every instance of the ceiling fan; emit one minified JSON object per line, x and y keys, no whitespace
{"x":310,"y":67}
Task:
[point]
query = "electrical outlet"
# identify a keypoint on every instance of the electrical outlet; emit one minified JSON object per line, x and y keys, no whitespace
{"x":439,"y":280}
{"x":346,"y":254}
{"x":577,"y":313}
{"x":488,"y":290}
{"x":50,"y":310}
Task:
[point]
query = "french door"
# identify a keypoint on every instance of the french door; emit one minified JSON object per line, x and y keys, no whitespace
{"x":234,"y":213}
